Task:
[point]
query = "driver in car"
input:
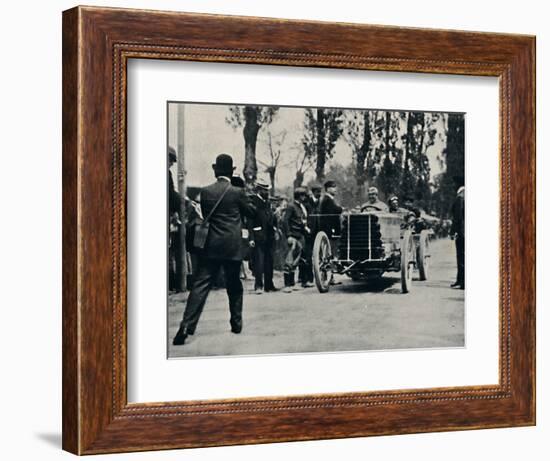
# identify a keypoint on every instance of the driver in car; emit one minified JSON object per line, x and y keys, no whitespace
{"x":373,"y":204}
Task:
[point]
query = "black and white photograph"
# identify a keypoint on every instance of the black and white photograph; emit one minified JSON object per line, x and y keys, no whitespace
{"x":314,"y":229}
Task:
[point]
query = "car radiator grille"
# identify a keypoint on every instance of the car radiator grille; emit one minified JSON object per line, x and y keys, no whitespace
{"x":361,"y":238}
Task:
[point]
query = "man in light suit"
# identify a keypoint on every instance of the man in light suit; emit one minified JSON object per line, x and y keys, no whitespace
{"x":223,"y":248}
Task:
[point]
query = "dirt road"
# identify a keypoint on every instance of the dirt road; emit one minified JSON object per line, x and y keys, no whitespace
{"x":352,"y":316}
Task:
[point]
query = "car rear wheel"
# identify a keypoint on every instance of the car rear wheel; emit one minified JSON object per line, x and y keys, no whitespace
{"x":407,"y":261}
{"x":322,"y":257}
{"x":423,"y":258}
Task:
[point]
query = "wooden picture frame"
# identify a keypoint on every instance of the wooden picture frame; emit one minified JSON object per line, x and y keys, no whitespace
{"x":97,"y":43}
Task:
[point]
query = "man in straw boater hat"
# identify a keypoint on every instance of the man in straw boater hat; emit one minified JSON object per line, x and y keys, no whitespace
{"x":262,"y":231}
{"x":223,"y":206}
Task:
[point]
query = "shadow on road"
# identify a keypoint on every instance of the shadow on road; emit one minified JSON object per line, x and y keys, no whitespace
{"x":372,"y":286}
{"x":453,"y":298}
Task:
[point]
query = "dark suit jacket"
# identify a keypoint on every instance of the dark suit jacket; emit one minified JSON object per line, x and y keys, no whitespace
{"x":294,"y":221}
{"x":312,"y":208}
{"x":458,"y":216}
{"x":225,"y":233}
{"x":174,"y":199}
{"x":261,"y":225}
{"x":330,"y":213}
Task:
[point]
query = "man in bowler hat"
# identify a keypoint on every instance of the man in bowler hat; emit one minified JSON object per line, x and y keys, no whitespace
{"x":222,"y":249}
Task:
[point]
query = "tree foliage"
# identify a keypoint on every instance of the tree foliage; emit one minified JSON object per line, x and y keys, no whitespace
{"x":357,"y":133}
{"x":453,"y":177}
{"x":322,"y":129}
{"x":389,"y":149}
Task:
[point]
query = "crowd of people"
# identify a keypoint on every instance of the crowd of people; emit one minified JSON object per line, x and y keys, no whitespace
{"x":236,"y":227}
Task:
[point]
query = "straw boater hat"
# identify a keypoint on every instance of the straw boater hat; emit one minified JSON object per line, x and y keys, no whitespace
{"x":260,"y":184}
{"x":299,"y":191}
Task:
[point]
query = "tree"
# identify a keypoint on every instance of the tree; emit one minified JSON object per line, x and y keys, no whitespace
{"x":454,"y":156}
{"x":420,"y":135}
{"x":322,"y":129}
{"x":274,"y":147}
{"x":389,"y":178}
{"x":303,"y":164}
{"x":347,"y":190}
{"x":357,"y":133}
{"x":251,"y":119}
{"x":391,"y":171}
{"x":308,"y":146}
{"x":380,"y":145}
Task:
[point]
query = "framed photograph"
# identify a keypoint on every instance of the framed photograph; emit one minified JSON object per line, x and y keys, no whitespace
{"x":281,"y":230}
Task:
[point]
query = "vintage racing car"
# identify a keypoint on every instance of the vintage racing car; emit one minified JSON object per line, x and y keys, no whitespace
{"x":373,"y":242}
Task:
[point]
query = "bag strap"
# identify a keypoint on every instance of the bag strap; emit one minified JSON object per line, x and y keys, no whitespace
{"x":216,"y":204}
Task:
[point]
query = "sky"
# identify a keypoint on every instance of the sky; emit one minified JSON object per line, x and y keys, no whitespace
{"x":206,"y":134}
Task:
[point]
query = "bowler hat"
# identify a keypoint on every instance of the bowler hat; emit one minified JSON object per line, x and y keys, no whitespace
{"x":224,"y":164}
{"x":172,"y":154}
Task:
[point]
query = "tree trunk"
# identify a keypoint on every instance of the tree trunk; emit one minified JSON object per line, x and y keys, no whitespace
{"x":422,"y":117}
{"x":409,"y":138}
{"x":250,"y":133}
{"x":361,"y":157}
{"x":299,"y":179}
{"x":388,"y":134}
{"x":272,"y":172}
{"x":321,"y":148}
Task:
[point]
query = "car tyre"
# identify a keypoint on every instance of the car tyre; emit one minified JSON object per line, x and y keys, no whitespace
{"x":322,"y":255}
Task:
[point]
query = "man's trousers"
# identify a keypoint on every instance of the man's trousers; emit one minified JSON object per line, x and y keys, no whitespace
{"x":263,"y":267}
{"x":459,"y":241}
{"x":207,"y":273}
{"x":293,"y":258}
